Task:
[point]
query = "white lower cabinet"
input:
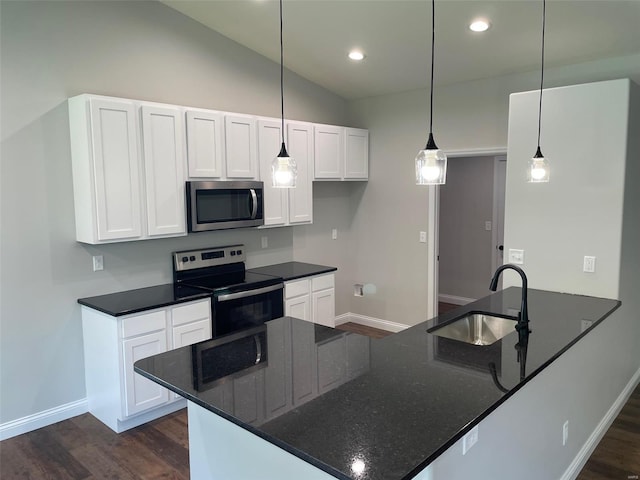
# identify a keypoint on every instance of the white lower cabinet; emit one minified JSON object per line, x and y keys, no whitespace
{"x":312,"y":299}
{"x":118,"y":396}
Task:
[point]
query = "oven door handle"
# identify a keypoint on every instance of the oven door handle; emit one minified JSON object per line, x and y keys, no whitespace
{"x":249,"y":293}
{"x":254,"y":203}
{"x":258,"y":349}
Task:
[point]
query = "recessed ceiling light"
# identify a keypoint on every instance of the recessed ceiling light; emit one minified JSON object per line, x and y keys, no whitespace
{"x":356,"y":55}
{"x":479,"y":26}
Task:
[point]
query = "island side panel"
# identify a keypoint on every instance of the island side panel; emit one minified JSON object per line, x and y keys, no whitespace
{"x":219,"y":449}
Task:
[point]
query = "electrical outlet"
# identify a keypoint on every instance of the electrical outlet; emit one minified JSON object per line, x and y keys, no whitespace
{"x":265,"y":242}
{"x":423,"y":237}
{"x":565,"y":432}
{"x":469,"y":440}
{"x":98,"y":263}
{"x":589,"y":264}
{"x":516,"y":256}
{"x":334,"y":234}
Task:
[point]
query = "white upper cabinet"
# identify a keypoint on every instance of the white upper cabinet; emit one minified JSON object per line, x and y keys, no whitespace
{"x":300,"y":147}
{"x":128,"y":166}
{"x":329,"y":152}
{"x":276,"y":200}
{"x":241,"y":147}
{"x":106,"y":168}
{"x":356,"y":154}
{"x":341,"y":153}
{"x":163,"y":150}
{"x":205,"y":143}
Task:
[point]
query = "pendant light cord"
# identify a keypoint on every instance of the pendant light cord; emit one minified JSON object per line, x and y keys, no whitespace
{"x":433,"y":38}
{"x":541,"y":71}
{"x":281,"y":75}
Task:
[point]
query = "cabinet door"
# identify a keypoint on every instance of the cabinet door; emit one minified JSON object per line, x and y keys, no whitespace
{"x":300,"y":143}
{"x":205,"y":143}
{"x":240,"y":146}
{"x":304,"y":364}
{"x":141,"y":393}
{"x":324,"y":307}
{"x":275,"y":199}
{"x":191,"y":333}
{"x":248,"y":397}
{"x":328,"y":152}
{"x":116,"y":169}
{"x":332,"y":369}
{"x":298,"y":307}
{"x":277,"y":394}
{"x":163,"y":141}
{"x":356,"y":154}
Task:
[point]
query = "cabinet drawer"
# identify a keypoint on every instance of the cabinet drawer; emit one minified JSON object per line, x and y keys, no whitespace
{"x":296,"y":288}
{"x":143,"y":323}
{"x":322,"y":282}
{"x":190,"y":312}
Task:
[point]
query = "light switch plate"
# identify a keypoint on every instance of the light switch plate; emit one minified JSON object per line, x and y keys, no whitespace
{"x":516,"y":256}
{"x":487,"y":226}
{"x":423,"y":237}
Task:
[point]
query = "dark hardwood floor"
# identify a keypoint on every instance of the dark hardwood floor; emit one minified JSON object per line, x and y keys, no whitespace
{"x":83,"y":448}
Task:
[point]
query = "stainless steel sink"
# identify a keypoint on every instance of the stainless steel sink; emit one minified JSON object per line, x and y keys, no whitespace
{"x":476,"y":328}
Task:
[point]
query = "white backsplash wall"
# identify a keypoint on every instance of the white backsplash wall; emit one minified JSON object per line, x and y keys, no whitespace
{"x":140,"y":50}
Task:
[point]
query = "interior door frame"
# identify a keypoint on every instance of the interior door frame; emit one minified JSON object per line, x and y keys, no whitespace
{"x":433,"y":216}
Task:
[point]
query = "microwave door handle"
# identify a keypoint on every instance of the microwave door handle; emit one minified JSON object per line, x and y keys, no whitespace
{"x":258,"y":349}
{"x":254,"y":203}
{"x":248,"y":293}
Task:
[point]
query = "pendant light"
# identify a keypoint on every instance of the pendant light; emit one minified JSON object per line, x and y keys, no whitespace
{"x":284,"y":170}
{"x":538,"y":171}
{"x":431,"y":163}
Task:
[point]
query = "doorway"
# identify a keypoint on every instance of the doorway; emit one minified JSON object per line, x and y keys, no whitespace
{"x":468,"y":228}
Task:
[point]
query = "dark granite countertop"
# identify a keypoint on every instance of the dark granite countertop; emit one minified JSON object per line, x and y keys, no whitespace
{"x":148,"y":298}
{"x":293,"y":270}
{"x":402,"y":400}
{"x":141,"y":299}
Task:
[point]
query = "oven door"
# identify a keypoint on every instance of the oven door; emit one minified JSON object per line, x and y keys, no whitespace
{"x":250,"y":308}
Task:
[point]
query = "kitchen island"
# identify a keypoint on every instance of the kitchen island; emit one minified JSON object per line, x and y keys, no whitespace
{"x":332,"y":404}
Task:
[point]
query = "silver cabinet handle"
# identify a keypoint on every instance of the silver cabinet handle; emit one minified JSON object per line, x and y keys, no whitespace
{"x":258,"y":349}
{"x":254,"y":203}
{"x":248,"y":293}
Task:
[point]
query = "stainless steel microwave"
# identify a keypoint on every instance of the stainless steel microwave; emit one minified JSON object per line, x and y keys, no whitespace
{"x":219,"y":205}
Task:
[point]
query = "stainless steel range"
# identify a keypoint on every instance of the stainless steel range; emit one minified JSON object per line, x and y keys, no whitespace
{"x":240,"y":299}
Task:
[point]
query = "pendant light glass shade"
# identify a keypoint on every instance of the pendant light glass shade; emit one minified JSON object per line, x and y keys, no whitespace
{"x":538,"y":171}
{"x":284,"y":171}
{"x":538,"y":168}
{"x":431,"y":163}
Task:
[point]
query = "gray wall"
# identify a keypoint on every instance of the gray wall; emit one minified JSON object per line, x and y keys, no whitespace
{"x":601,"y":369}
{"x":142,"y":50}
{"x":465,"y":246}
{"x":392,"y":209}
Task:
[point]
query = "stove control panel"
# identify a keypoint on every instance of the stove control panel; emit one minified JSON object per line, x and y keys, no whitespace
{"x":207,"y":257}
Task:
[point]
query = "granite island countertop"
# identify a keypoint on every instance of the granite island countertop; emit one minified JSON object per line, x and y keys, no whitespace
{"x":412,"y":395}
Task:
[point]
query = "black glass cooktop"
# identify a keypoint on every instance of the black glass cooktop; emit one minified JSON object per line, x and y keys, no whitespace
{"x":231,"y":282}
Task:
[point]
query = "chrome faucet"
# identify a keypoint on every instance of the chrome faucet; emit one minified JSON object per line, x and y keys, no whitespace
{"x":523,"y":317}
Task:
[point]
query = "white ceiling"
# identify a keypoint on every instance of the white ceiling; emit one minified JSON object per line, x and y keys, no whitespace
{"x":395,"y":37}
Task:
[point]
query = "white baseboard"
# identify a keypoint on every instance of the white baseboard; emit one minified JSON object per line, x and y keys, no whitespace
{"x":42,"y":419}
{"x":370,"y":322}
{"x":592,"y":442}
{"x":454,"y":299}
